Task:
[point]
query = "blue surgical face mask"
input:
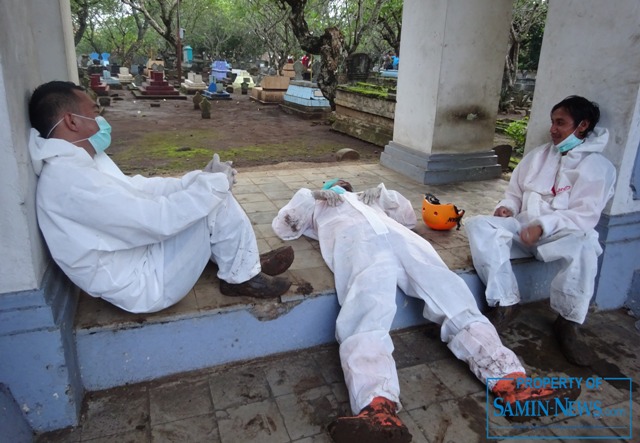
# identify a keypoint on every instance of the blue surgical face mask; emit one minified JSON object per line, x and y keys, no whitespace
{"x":568,"y":143}
{"x":101,"y":139}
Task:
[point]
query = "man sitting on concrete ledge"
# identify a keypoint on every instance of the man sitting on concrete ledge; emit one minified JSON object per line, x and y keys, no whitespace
{"x":366,"y":241}
{"x":550,"y":210}
{"x":139,"y":243}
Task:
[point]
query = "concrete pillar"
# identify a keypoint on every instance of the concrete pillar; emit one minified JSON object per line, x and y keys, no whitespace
{"x":451,"y":63}
{"x":37,"y":303}
{"x":592,"y":48}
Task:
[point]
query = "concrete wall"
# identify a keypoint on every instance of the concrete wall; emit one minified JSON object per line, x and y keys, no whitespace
{"x":23,"y":267}
{"x":598,"y":59}
{"x":592,"y":48}
{"x":36,"y":302}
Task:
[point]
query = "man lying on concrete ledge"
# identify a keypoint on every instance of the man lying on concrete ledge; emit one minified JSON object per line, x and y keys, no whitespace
{"x":366,"y":241}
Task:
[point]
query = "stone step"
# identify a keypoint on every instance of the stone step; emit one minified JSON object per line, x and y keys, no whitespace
{"x":208,"y":329}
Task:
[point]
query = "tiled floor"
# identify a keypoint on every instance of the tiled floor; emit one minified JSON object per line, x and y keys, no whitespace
{"x":292,"y":397}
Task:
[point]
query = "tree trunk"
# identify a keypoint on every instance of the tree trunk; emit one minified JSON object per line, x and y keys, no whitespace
{"x":330,"y":47}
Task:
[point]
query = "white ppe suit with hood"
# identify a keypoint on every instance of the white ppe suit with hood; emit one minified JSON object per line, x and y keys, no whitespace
{"x":139,"y":243}
{"x":564,"y":195}
{"x":371,"y":252}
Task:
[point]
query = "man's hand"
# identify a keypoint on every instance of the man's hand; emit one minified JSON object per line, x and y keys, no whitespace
{"x":370,"y":196}
{"x":531,"y":234}
{"x":332,"y":198}
{"x":503,"y":212}
{"x":215,"y":166}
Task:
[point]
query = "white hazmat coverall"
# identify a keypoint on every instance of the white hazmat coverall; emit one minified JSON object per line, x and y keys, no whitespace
{"x":372,"y":251}
{"x":564,"y":194}
{"x":139,"y":243}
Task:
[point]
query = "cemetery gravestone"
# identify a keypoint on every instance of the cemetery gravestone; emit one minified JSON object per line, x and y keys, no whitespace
{"x":298,"y":68}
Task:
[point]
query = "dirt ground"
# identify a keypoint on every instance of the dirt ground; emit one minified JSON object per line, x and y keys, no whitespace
{"x":169,"y":137}
{"x":159,"y":137}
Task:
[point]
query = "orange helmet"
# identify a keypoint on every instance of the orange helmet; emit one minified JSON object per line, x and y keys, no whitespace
{"x":440,"y":217}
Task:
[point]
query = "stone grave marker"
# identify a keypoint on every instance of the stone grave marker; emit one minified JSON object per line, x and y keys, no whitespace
{"x":358,"y":66}
{"x":298,"y":68}
{"x":197,"y":99}
{"x":205,"y":108}
{"x":315,"y":71}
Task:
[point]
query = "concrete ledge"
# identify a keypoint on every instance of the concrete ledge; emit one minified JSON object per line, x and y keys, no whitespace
{"x":14,"y":427}
{"x":39,"y":362}
{"x":113,"y":355}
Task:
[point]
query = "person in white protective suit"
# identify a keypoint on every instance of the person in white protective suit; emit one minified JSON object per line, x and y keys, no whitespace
{"x":139,"y":243}
{"x":366,"y":241}
{"x":550,"y":209}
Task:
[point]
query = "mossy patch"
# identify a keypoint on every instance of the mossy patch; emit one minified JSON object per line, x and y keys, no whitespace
{"x":369,"y":89}
{"x":168,"y":151}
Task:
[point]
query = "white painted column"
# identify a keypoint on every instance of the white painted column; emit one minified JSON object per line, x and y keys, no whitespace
{"x":592,"y":48}
{"x":452,"y":57}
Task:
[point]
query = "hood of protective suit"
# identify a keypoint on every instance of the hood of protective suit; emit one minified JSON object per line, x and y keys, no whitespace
{"x":45,"y":150}
{"x":596,"y":141}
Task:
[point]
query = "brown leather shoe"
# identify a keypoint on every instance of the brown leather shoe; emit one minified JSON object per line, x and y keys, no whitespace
{"x":260,"y":286}
{"x":277,"y":261}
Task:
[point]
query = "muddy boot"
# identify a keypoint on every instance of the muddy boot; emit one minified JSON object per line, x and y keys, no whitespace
{"x":572,"y":345}
{"x":260,"y":286}
{"x":376,"y":423}
{"x":514,"y":395}
{"x":276,"y":261}
{"x":501,"y":316}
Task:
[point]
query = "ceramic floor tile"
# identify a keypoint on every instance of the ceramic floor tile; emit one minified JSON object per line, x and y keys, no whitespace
{"x":296,"y":376}
{"x":414,"y":428}
{"x":263,"y":206}
{"x":419,"y":387}
{"x":203,"y":428}
{"x":251,"y":198}
{"x":178,"y":401}
{"x":419,"y":345}
{"x":459,"y":420}
{"x":307,"y":259}
{"x":317,"y":280}
{"x":238,"y":387}
{"x":136,"y":436}
{"x":457,"y":376}
{"x":116,"y":411}
{"x":309,"y":412}
{"x":263,"y":218}
{"x":319,"y":438}
{"x":327,"y":359}
{"x":254,"y":422}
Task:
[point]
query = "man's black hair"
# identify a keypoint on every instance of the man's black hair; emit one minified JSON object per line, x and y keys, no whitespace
{"x":48,"y":101}
{"x":579,"y":108}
